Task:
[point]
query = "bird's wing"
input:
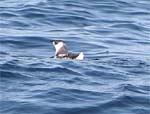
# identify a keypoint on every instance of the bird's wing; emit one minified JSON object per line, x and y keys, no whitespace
{"x":72,"y":56}
{"x":62,"y":51}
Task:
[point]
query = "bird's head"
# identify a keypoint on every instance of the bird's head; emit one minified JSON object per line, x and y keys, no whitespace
{"x":58,"y":44}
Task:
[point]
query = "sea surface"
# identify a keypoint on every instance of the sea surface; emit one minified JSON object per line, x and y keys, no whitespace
{"x":114,"y":77}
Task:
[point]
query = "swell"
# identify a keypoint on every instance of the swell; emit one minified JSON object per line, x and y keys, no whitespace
{"x":8,"y":14}
{"x":9,"y":75}
{"x":118,"y":105}
{"x":139,"y":89}
{"x":30,"y":68}
{"x":87,"y":102}
{"x":24,"y":42}
{"x":130,"y":26}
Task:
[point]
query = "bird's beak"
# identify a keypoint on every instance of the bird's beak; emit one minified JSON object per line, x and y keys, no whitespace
{"x":51,"y":41}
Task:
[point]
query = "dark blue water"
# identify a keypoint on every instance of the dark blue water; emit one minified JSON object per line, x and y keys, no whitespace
{"x":114,"y":78}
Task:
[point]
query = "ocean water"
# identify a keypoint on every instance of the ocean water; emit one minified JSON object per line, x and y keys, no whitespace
{"x":114,"y":77}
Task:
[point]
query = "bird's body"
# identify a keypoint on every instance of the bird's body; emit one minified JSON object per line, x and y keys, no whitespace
{"x":62,"y":51}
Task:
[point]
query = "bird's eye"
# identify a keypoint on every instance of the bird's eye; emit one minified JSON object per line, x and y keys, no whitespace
{"x":56,"y":43}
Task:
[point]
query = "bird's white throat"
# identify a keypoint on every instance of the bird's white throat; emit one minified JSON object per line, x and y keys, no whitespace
{"x":58,"y":46}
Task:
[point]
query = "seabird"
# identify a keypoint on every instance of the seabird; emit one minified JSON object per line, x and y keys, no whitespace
{"x":62,"y":51}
